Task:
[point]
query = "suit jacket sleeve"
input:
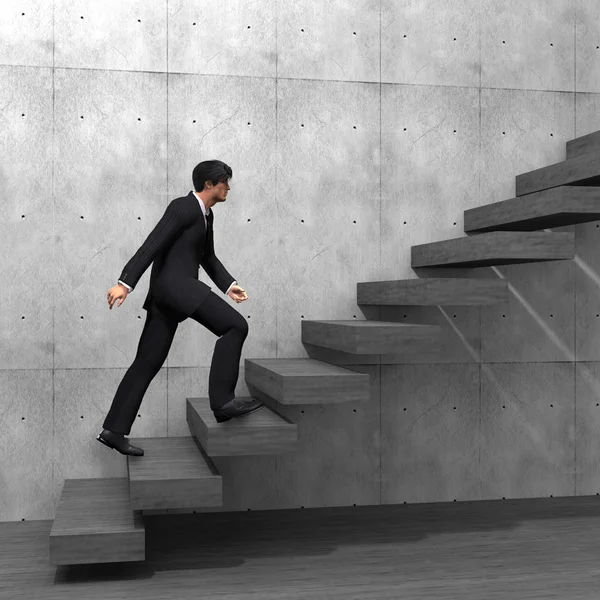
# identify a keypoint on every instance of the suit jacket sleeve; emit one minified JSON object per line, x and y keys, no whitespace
{"x":171,"y":224}
{"x":214,"y":269}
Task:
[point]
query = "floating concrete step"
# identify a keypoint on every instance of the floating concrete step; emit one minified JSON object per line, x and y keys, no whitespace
{"x":262,"y":432}
{"x":304,"y":381}
{"x":370,"y":337}
{"x":556,"y":207}
{"x":583,"y":145}
{"x":434,"y":291}
{"x":174,"y":472}
{"x":581,"y":170}
{"x":95,"y":523}
{"x":495,"y":248}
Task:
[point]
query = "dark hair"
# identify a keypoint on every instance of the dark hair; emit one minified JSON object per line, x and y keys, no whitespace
{"x":214,"y":171}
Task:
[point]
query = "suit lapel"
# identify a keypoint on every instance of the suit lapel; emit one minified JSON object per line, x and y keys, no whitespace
{"x":209,"y":221}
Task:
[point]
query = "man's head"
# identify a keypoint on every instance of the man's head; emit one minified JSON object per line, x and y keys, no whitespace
{"x":211,"y":181}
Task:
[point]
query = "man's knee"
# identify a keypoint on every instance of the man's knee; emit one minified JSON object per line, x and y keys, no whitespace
{"x":242,"y":326}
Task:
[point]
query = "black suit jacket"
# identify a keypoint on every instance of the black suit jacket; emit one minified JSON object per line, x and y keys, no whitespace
{"x":179,"y":243}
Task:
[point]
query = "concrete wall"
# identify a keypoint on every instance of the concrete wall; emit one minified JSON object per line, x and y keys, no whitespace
{"x":355,"y":130}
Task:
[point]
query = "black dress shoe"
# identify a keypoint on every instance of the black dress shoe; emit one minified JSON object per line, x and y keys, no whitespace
{"x":238,"y":407}
{"x":117,"y":441}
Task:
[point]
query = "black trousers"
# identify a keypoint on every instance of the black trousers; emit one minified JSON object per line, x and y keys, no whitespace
{"x":218,"y":317}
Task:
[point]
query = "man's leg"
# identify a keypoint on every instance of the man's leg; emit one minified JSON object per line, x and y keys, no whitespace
{"x":222,"y":320}
{"x":152,"y":351}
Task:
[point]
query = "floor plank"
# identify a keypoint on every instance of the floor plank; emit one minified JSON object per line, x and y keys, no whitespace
{"x":532,"y":548}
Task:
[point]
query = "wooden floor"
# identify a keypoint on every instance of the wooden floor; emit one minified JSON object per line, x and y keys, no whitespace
{"x":513,"y":549}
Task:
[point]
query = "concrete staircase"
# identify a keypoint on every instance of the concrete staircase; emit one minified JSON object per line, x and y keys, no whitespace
{"x":100,"y":520}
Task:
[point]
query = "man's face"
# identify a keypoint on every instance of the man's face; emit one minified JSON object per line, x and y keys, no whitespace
{"x":221,"y":190}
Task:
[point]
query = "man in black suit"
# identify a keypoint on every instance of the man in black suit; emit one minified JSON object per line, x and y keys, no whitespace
{"x":180,"y":242}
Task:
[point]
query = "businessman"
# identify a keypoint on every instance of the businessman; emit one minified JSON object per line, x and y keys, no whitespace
{"x":180,"y":242}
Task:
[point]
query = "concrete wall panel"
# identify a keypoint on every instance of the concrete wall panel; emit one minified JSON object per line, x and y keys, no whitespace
{"x":337,"y":460}
{"x":527,"y":430}
{"x":113,"y":34}
{"x":207,"y":38}
{"x":110,"y":190}
{"x":429,"y":138}
{"x":520,"y":131}
{"x":587,"y":417}
{"x":430,"y":42}
{"x":537,"y":322}
{"x":26,"y":444}
{"x":429,"y":433}
{"x":587,"y":258}
{"x":587,"y":291}
{"x":460,"y":338}
{"x":26,"y":231}
{"x":328,"y":40}
{"x":427,"y":181}
{"x":26,"y":33}
{"x":527,"y":45}
{"x":328,"y":215}
{"x":587,"y":113}
{"x":587,"y":56}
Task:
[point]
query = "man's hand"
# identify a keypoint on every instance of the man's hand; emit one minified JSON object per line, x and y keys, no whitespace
{"x":237,"y":294}
{"x":116,"y":292}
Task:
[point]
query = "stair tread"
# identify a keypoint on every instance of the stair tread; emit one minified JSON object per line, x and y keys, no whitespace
{"x":368,"y":324}
{"x":580,"y":170}
{"x":368,"y":337}
{"x":95,"y":523}
{"x":583,"y":144}
{"x":504,"y":236}
{"x":93,"y":506}
{"x":261,"y":419}
{"x":495,"y":248}
{"x":433,"y":291}
{"x":170,"y":458}
{"x":304,"y":367}
{"x":174,"y":472}
{"x":554,"y":207}
{"x":261,"y":432}
{"x":426,"y":281}
{"x":294,"y":381}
